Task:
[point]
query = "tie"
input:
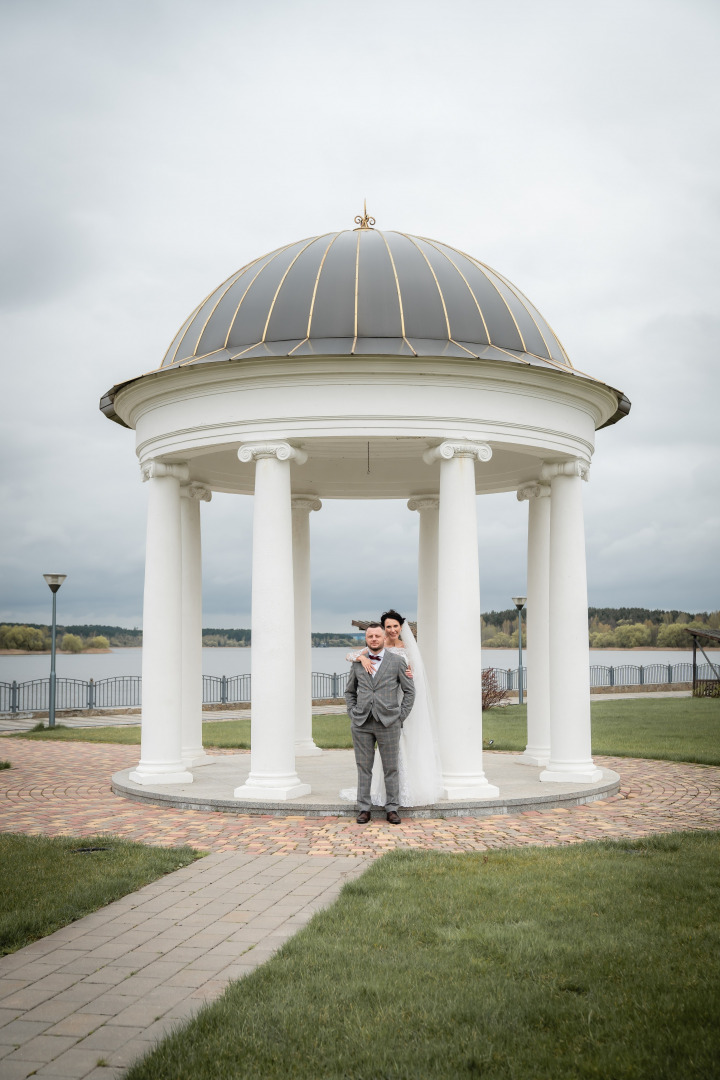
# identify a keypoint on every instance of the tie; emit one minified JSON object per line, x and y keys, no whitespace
{"x":371,"y":657}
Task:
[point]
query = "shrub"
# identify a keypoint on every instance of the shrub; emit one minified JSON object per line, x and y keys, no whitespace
{"x":98,"y":642}
{"x":72,"y":643}
{"x":491,"y":692}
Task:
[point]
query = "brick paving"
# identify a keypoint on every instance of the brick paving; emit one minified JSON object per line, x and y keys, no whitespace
{"x":84,"y":1002}
{"x":62,"y":789}
{"x":88,"y":1000}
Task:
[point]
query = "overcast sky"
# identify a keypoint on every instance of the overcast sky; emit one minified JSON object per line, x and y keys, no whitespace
{"x":154,"y":147}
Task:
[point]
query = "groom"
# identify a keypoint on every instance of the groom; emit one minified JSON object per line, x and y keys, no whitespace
{"x":377,"y":716}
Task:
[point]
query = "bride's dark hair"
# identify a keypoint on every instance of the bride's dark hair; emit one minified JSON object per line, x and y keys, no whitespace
{"x":391,"y":614}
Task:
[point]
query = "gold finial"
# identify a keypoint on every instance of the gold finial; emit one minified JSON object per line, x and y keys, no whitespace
{"x":365,"y":222}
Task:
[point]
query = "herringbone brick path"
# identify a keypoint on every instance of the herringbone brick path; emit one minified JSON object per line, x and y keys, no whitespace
{"x":63,"y":789}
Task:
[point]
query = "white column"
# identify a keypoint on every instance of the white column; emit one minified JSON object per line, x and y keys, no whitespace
{"x":427,"y":621}
{"x":570,"y":744}
{"x":160,"y":752}
{"x":302,"y":505}
{"x":537,"y":751}
{"x":272,"y":737}
{"x":191,"y":495}
{"x":459,"y":705}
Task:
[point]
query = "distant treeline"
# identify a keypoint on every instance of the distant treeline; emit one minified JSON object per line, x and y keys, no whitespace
{"x":33,"y":638}
{"x":611,"y":628}
{"x":608,"y":628}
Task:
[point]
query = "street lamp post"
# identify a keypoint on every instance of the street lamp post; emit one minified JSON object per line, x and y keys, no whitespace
{"x":54,"y":581}
{"x":520,"y":602}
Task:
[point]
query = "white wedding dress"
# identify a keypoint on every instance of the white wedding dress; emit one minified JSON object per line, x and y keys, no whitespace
{"x":419,"y":759}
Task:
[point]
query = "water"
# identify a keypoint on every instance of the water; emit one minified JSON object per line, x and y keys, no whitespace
{"x":237,"y":662}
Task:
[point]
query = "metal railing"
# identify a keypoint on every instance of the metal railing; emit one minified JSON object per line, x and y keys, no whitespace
{"x":126,"y":691}
{"x":221,"y":689}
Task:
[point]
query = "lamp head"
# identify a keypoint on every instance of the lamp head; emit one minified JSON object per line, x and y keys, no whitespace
{"x":54,"y":581}
{"x":519,"y":602}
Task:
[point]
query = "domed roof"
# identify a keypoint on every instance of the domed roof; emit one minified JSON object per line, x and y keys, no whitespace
{"x":366,"y":292}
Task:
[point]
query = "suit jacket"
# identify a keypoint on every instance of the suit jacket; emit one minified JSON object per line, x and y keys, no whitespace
{"x":379,"y":696}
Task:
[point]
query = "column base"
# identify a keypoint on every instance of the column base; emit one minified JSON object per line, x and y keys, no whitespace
{"x":468,"y":787}
{"x":535,"y":755}
{"x":272,"y":788}
{"x":150,"y":775}
{"x":306,"y":748}
{"x":571,"y":772}
{"x":193,"y":759}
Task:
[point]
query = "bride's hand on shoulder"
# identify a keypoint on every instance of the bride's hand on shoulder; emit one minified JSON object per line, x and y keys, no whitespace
{"x":361,"y":658}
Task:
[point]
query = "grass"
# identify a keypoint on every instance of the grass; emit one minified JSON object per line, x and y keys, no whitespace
{"x":672,"y":729}
{"x":48,"y":882}
{"x":330,"y":732}
{"x":598,"y":961}
{"x":5,"y":765}
{"x":668,"y":729}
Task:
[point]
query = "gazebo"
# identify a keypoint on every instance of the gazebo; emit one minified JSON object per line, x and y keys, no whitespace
{"x":365,"y":364}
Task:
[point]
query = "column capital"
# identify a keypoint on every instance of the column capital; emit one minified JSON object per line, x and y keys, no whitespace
{"x":279,"y":449}
{"x":574,"y":467}
{"x":201,"y":492}
{"x":154,"y":468}
{"x":533,"y":491}
{"x":451,"y":448}
{"x":423,"y":502}
{"x":305,"y":502}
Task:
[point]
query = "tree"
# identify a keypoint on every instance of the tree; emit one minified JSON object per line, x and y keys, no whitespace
{"x":98,"y":642}
{"x":27,"y":638}
{"x":673,"y":637}
{"x":72,"y":643}
{"x":632,"y":635}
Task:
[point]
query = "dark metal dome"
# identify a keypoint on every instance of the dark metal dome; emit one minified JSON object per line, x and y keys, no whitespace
{"x":366,"y":292}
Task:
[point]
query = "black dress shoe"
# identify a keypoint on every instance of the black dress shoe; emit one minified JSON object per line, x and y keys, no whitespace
{"x":394,"y":818}
{"x":363,"y":817}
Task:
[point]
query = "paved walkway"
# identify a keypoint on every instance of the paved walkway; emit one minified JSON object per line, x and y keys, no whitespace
{"x":104,"y":988}
{"x":12,"y":723}
{"x":91,"y":998}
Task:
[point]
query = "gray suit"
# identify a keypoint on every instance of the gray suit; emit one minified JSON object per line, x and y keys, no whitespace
{"x":377,"y":713}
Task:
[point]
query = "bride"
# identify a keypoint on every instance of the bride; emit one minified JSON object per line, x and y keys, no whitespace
{"x":419,"y":760}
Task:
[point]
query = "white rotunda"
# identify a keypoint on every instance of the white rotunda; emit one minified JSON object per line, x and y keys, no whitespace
{"x":365,"y":364}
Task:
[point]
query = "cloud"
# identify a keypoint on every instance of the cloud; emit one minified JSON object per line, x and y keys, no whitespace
{"x":157,"y":147}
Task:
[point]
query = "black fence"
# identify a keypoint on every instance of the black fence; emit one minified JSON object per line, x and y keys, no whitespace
{"x":125,"y":691}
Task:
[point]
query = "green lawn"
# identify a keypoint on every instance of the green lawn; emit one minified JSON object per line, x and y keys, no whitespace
{"x":674,"y":729}
{"x":670,"y":729}
{"x":330,"y":732}
{"x":48,"y":882}
{"x":594,"y":961}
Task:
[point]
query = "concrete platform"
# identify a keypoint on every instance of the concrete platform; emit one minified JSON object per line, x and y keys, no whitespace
{"x":213,"y":786}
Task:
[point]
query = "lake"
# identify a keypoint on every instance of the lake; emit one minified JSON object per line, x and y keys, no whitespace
{"x":237,"y":662}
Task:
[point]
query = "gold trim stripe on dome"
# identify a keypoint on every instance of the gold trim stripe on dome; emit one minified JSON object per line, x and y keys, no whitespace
{"x":425,"y":298}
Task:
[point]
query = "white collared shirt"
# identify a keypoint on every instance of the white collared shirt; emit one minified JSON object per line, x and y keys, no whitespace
{"x":376,"y":663}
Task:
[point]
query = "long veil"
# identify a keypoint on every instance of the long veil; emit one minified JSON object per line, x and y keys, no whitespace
{"x":420,"y":756}
{"x":419,"y":761}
